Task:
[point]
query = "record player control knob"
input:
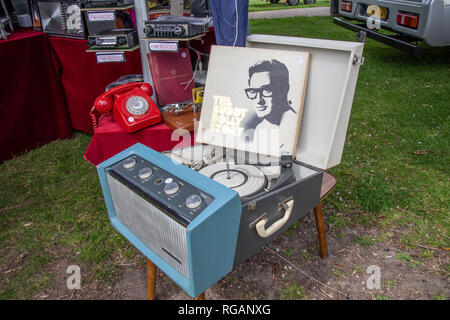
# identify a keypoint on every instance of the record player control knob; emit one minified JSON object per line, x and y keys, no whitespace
{"x":179,"y":30}
{"x":91,"y":42}
{"x":193,"y":201}
{"x":148,"y":30}
{"x":129,"y":163}
{"x":121,"y":41}
{"x":145,"y":173}
{"x":171,"y":188}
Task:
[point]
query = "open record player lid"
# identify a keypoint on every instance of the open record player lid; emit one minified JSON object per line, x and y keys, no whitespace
{"x":333,"y":73}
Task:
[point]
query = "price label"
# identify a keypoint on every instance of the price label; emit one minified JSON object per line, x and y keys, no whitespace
{"x":101,"y":16}
{"x":163,"y":46}
{"x":109,"y":57}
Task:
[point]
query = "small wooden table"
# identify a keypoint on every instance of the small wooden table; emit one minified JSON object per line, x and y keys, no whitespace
{"x":328,"y":184}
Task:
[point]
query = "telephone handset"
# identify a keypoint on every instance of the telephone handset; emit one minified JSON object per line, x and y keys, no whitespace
{"x":131,"y":105}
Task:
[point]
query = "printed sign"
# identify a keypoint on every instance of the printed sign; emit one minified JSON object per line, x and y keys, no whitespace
{"x":105,"y":57}
{"x":163,"y":46}
{"x":101,"y":16}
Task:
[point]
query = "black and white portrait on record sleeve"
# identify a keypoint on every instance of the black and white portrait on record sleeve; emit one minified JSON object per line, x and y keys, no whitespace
{"x":253,"y":99}
{"x":268,"y":88}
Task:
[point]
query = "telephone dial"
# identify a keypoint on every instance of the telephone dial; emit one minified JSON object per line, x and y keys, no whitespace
{"x":132,"y":107}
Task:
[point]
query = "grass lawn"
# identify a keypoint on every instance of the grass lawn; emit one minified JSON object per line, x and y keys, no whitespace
{"x":395,"y":167}
{"x":394,"y":174}
{"x":51,"y":210}
{"x":262,"y":5}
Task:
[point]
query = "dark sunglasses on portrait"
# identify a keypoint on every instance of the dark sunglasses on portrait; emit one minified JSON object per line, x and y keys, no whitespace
{"x":264,"y":91}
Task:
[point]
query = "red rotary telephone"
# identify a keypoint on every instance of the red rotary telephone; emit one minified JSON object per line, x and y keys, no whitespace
{"x":133,"y":109}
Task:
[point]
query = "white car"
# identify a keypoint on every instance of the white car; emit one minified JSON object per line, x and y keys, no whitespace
{"x":409,"y":20}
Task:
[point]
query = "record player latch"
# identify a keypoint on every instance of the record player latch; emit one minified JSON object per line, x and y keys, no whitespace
{"x":358,"y":60}
{"x":283,"y":205}
{"x":251,"y":207}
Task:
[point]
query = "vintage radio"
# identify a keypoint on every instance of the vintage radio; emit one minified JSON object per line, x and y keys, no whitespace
{"x":157,"y":8}
{"x":114,"y":39}
{"x":166,"y":209}
{"x":105,"y":3}
{"x":62,"y":18}
{"x":168,"y":26}
{"x":100,"y":20}
{"x":197,"y":212}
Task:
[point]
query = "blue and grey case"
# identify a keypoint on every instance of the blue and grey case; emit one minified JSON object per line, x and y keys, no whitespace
{"x":184,"y":222}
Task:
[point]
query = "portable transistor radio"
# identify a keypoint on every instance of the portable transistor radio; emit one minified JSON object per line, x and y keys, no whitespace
{"x":182,"y":221}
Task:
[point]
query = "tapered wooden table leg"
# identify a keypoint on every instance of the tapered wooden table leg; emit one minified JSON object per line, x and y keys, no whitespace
{"x":151,"y":280}
{"x":320,"y":224}
{"x":200,"y":297}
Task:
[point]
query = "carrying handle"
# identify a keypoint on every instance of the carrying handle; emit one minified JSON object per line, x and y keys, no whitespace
{"x":260,"y":226}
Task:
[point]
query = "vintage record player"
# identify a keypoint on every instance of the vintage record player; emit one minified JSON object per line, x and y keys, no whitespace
{"x":174,"y":27}
{"x":62,"y":18}
{"x":197,"y":212}
{"x":114,"y":39}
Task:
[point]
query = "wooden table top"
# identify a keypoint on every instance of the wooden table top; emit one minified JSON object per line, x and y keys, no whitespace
{"x":328,"y":183}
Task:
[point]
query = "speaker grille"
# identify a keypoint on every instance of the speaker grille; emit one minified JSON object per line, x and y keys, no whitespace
{"x":159,"y":232}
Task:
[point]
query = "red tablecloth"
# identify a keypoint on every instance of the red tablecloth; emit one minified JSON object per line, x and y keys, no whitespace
{"x":109,"y":139}
{"x":83,"y":79}
{"x":32,"y":107}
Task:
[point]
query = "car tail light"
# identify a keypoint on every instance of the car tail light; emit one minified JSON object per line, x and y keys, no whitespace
{"x":346,"y":6}
{"x":407,"y":19}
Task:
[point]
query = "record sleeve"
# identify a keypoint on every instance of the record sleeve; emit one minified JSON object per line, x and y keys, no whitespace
{"x":253,"y":99}
{"x":172,"y":76}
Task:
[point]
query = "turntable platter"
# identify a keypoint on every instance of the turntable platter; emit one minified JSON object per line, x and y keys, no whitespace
{"x":246,"y":180}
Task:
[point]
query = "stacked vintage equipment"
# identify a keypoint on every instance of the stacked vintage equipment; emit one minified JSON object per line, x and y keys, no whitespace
{"x":165,"y":36}
{"x":110,"y":25}
{"x":197,"y":212}
{"x":106,"y":23}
